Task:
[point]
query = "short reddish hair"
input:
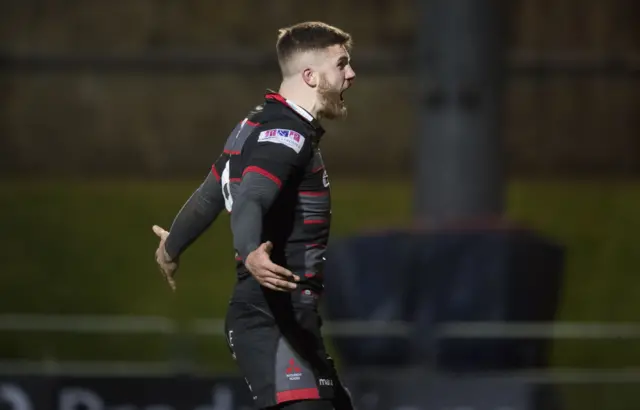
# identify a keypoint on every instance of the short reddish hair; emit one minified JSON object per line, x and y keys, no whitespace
{"x":308,"y":36}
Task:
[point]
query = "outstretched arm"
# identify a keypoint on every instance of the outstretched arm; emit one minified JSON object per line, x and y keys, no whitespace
{"x":195,"y":216}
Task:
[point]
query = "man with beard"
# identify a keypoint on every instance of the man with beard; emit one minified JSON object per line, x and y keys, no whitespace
{"x":272,"y":180}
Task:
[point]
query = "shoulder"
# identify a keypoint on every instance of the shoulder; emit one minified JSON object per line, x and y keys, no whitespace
{"x":287,"y":134}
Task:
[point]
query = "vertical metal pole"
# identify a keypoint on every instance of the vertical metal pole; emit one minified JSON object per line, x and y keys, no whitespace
{"x":459,"y":170}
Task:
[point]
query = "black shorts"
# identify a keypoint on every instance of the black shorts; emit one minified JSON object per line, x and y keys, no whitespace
{"x":281,"y":354}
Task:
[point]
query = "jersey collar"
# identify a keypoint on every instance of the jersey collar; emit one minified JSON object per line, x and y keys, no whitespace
{"x":304,"y":114}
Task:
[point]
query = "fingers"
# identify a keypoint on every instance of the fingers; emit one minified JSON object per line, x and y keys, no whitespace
{"x":273,"y":280}
{"x":269,"y":274}
{"x":167,"y":268}
{"x":280,"y":285}
{"x":170,"y":281}
{"x":264,"y":262}
{"x":267,"y":247}
{"x":166,"y":272}
{"x":279,"y":270}
{"x":162,"y":234}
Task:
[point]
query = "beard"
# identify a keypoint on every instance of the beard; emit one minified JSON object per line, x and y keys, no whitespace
{"x":333,"y":106}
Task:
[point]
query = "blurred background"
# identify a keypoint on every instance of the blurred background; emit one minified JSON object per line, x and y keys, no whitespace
{"x":486,"y":201}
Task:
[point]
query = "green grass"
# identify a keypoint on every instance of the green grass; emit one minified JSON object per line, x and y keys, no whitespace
{"x":599,"y":223}
{"x":87,"y":247}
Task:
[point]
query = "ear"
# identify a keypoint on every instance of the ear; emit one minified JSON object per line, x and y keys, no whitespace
{"x":310,"y":77}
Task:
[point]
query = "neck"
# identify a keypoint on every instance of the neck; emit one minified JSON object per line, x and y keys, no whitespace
{"x":301,"y":97}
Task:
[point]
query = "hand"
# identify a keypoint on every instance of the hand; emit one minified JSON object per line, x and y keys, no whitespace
{"x":267,"y":273}
{"x":166,"y":265}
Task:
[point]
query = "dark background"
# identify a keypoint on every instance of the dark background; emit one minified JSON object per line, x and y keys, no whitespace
{"x":112,"y":112}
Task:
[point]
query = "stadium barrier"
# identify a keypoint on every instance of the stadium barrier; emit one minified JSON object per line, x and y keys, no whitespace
{"x":96,"y":385}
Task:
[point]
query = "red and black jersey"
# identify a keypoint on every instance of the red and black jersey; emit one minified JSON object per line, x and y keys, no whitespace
{"x":280,"y":141}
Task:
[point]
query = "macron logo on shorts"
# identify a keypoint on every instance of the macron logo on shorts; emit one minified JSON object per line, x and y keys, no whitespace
{"x":289,"y":138}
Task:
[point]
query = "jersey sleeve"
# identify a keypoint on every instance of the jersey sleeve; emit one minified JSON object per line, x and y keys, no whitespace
{"x":196,"y":215}
{"x":278,"y":154}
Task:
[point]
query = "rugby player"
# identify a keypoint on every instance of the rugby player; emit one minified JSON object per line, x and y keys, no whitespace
{"x":272,"y":179}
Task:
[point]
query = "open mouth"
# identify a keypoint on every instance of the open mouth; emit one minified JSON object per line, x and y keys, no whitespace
{"x":341,"y":95}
